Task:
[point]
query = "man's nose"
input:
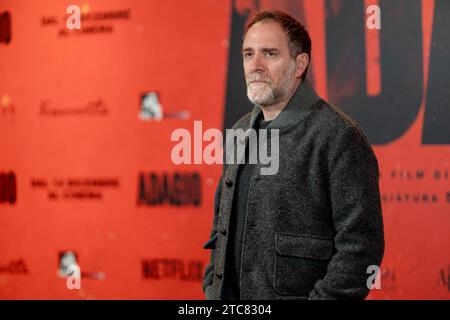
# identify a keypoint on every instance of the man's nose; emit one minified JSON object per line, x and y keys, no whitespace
{"x":256,"y":64}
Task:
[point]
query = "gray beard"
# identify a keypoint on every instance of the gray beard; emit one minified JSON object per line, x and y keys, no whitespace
{"x":271,"y":95}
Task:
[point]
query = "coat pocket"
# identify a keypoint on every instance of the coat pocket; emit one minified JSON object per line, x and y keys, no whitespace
{"x":300,"y":261}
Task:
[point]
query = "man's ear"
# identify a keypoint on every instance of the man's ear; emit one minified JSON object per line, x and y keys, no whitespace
{"x":302,"y":61}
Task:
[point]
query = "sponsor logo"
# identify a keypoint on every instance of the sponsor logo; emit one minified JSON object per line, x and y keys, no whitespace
{"x":69,"y":267}
{"x":151,"y":109}
{"x":83,"y":21}
{"x":17,"y":266}
{"x":91,"y":108}
{"x":175,"y":189}
{"x":75,"y":188}
{"x":169,"y":268}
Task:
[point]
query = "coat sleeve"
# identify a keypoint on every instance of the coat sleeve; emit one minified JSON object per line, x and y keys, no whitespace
{"x":353,"y":182}
{"x":211,"y":243}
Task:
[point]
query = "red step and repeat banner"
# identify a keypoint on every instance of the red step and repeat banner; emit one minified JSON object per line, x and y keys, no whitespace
{"x":86,"y":117}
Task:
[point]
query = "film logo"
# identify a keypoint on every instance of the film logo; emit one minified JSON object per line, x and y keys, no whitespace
{"x":5,"y":27}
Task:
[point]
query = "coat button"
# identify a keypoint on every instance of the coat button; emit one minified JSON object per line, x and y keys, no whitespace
{"x":218,"y":275}
{"x":229,"y":183}
{"x":223,"y":232}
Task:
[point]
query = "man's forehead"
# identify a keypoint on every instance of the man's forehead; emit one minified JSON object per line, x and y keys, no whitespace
{"x":265,"y":34}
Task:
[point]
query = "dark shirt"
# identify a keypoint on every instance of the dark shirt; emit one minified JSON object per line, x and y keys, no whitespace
{"x":237,"y":222}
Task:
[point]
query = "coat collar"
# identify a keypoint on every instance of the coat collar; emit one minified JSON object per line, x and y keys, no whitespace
{"x":298,"y":107}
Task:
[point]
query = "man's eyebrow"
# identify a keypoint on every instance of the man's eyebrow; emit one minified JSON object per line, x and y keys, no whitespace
{"x":262,"y":49}
{"x":269,"y":49}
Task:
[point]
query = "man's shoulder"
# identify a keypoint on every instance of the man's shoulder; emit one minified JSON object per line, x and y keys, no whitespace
{"x":332,"y":120}
{"x":243,"y":122}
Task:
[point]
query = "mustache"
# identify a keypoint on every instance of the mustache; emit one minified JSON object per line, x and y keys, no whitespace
{"x":258,"y":78}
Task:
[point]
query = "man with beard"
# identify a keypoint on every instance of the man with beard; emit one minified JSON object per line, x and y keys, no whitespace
{"x":312,"y":229}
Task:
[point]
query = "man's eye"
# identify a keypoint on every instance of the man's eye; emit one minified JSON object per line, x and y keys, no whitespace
{"x":247,"y":54}
{"x":270,"y":54}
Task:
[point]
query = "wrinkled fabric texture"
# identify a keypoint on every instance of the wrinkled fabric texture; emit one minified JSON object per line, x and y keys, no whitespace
{"x":312,"y":229}
{"x":231,"y":289}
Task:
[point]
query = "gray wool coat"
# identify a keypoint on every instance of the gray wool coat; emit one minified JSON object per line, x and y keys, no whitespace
{"x":313,"y":229}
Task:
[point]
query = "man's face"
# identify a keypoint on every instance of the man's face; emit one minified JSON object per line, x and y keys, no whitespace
{"x":268,"y":66}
